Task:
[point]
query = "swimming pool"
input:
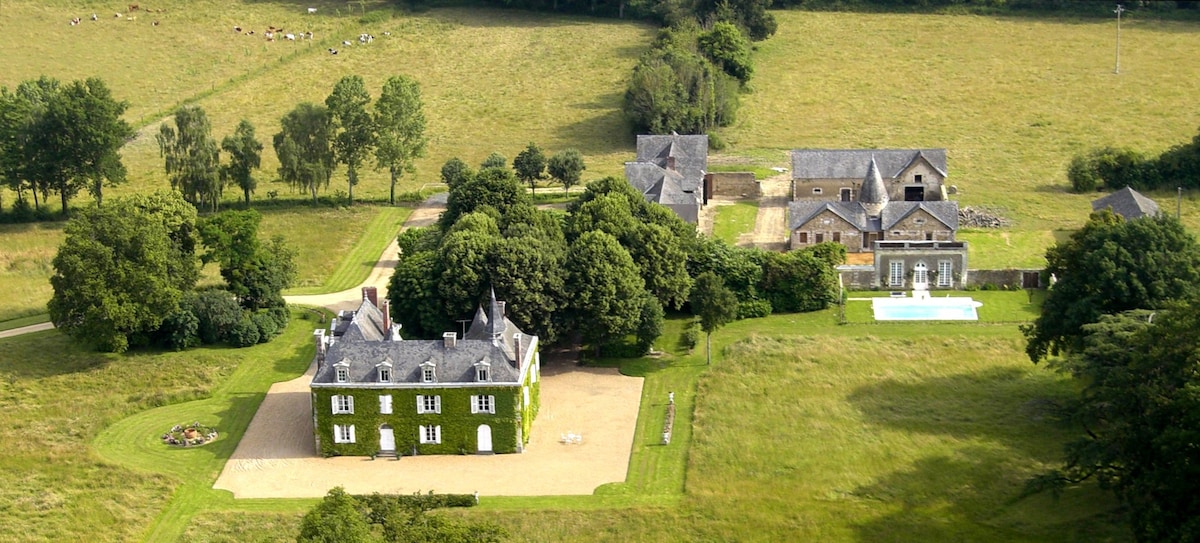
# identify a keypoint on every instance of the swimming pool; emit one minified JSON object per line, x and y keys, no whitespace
{"x":925,"y":309}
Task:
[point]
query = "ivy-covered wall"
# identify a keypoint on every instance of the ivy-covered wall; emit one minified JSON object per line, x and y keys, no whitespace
{"x":459,"y":425}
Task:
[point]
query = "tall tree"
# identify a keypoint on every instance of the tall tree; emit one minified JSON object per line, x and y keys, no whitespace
{"x":604,"y":289}
{"x":303,"y":148}
{"x":245,"y":156}
{"x":335,"y":520}
{"x":78,"y":139}
{"x":495,"y":187}
{"x":191,"y":157}
{"x":1108,"y":266}
{"x":400,"y":123}
{"x":123,"y":269}
{"x":530,"y":165}
{"x":24,"y":165}
{"x":1139,"y":409}
{"x":567,"y":167}
{"x":714,"y":304}
{"x":455,"y":172}
{"x":353,"y":127}
{"x":254,"y":272}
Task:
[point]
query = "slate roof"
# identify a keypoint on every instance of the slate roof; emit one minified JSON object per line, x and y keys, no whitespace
{"x":873,"y":191}
{"x":690,"y":154}
{"x":492,"y":338}
{"x":802,"y":211}
{"x":1127,"y":203}
{"x":664,"y":186}
{"x":853,"y":163}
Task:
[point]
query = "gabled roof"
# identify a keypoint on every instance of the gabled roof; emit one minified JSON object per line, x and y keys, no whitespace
{"x":945,"y":211}
{"x":853,"y":163}
{"x":803,"y":211}
{"x":665,"y":187}
{"x":361,"y":349}
{"x":690,"y":154}
{"x":1127,"y":203}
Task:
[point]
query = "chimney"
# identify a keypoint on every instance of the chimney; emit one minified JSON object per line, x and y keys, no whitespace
{"x":670,"y":163}
{"x":319,"y":339}
{"x":517,"y":348}
{"x":370,"y":293}
{"x":449,"y":339}
{"x":387,"y":316}
{"x":503,"y":308}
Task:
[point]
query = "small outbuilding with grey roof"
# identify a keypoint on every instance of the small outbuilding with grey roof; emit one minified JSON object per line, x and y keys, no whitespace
{"x":670,"y":170}
{"x":1127,"y":203}
{"x":375,"y":393}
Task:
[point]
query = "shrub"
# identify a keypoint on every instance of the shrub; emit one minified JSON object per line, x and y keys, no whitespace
{"x":754,"y":309}
{"x":180,"y":330}
{"x":217,"y":312}
{"x":691,"y":336}
{"x":280,"y":316}
{"x":265,"y":325}
{"x":244,"y":333}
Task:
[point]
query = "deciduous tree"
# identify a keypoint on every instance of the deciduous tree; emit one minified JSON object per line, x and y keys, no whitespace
{"x":191,"y":157}
{"x":353,"y":127}
{"x":256,"y":273}
{"x":604,"y":288}
{"x":714,"y":304}
{"x":245,"y":156}
{"x":335,"y":520}
{"x":303,"y":148}
{"x":530,"y":165}
{"x":566,"y":167}
{"x":400,"y":122}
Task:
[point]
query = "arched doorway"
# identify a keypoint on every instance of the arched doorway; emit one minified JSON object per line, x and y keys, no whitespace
{"x":484,"y":439}
{"x":387,"y":438}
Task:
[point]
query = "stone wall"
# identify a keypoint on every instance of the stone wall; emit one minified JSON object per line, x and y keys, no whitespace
{"x":735,"y":185}
{"x":1012,"y":279}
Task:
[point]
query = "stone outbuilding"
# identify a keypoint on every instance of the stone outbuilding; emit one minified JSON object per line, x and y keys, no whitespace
{"x":1127,"y":203}
{"x":670,"y":170}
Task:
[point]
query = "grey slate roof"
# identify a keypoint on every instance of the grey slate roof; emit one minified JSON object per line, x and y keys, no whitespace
{"x":364,"y":346}
{"x":690,"y":154}
{"x":1127,"y":203}
{"x":802,"y":211}
{"x":853,"y":163}
{"x":665,"y":187}
{"x":873,"y":191}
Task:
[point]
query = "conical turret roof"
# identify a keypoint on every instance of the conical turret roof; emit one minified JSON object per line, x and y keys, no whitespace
{"x":873,"y":190}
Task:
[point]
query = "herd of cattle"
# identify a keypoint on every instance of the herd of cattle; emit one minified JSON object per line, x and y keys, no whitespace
{"x":270,"y":34}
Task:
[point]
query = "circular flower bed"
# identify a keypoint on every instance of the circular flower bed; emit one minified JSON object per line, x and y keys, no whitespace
{"x":189,"y":435}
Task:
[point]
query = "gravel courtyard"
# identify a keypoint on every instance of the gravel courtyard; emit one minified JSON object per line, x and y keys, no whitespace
{"x":276,"y":458}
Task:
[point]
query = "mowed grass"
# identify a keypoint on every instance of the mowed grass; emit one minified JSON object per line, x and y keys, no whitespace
{"x":59,"y":401}
{"x":1011,"y":99}
{"x":731,"y":221}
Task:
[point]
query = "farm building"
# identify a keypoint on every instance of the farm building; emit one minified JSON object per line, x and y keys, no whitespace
{"x":670,"y":170}
{"x":377,"y":394}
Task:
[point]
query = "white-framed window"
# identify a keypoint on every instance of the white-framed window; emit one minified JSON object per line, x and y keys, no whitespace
{"x":817,"y":190}
{"x":483,"y":373}
{"x":945,"y":273}
{"x":847,"y":195}
{"x":428,"y":375}
{"x":483,"y":404}
{"x":429,"y":404}
{"x":343,"y":433}
{"x":896,"y":273}
{"x":921,"y":273}
{"x":343,"y":375}
{"x":919,"y":221}
{"x":385,"y":375}
{"x":343,"y":405}
{"x":385,"y":404}
{"x":430,"y":434}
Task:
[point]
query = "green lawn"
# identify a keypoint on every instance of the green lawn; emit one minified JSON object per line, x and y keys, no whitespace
{"x":734,"y":220}
{"x":26,"y":253}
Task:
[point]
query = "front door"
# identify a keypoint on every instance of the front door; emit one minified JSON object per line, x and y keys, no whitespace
{"x":485,"y":438}
{"x":387,"y":439}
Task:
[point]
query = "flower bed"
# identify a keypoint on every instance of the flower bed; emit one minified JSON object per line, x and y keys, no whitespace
{"x":189,"y":435}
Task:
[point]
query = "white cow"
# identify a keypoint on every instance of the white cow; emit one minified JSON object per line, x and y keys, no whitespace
{"x":312,"y":11}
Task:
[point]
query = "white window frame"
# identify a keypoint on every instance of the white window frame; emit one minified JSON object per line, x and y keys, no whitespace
{"x":895,"y":273}
{"x":483,"y":372}
{"x":343,"y":433}
{"x":483,"y":404}
{"x":385,"y":374}
{"x":921,"y":273}
{"x":343,"y":404}
{"x":385,"y":404}
{"x":343,"y":375}
{"x":945,"y":276}
{"x":431,"y":435}
{"x":429,"y":404}
{"x":428,"y":373}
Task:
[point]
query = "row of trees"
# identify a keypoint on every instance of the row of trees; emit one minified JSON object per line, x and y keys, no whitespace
{"x":1122,"y":319}
{"x":1111,"y":168}
{"x":125,"y":275}
{"x":530,"y":166}
{"x":606,"y":270}
{"x":62,"y":139}
{"x":192,"y":158}
{"x":378,"y":518}
{"x":347,"y":130}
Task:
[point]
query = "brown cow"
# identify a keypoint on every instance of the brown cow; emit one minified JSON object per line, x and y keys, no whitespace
{"x":134,"y":7}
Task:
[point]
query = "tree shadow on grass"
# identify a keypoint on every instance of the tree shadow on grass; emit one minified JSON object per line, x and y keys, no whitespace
{"x":605,"y":133}
{"x":972,"y":496}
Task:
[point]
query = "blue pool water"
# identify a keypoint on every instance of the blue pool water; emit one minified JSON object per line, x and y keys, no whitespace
{"x":929,"y":309}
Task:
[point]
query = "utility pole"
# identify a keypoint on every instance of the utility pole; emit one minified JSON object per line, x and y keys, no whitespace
{"x":1120,"y":9}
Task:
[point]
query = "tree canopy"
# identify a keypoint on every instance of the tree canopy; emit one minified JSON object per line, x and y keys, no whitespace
{"x":714,"y":304}
{"x":530,"y":165}
{"x":566,"y":167}
{"x":1108,"y":266}
{"x":353,"y":127}
{"x":191,"y":157}
{"x":245,"y":156}
{"x":303,"y":148}
{"x":400,"y":122}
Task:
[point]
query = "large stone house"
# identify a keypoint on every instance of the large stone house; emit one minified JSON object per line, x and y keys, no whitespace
{"x":375,"y":393}
{"x":904,"y":219}
{"x":670,"y":170}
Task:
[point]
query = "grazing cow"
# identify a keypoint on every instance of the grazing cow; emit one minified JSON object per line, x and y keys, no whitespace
{"x":116,"y":16}
{"x":237,"y":29}
{"x":312,"y":11}
{"x":134,"y":7}
{"x":308,"y":35}
{"x":290,"y":37}
{"x":250,"y":33}
{"x":346,"y":42}
{"x":74,"y":21}
{"x":93,"y":16}
{"x":332,"y":51}
{"x":386,"y":33}
{"x":155,"y":23}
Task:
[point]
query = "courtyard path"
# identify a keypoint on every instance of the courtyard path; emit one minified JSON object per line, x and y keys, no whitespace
{"x":770,"y":227}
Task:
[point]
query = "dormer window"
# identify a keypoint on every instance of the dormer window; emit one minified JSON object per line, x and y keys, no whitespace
{"x":428,"y":373}
{"x":343,"y":375}
{"x":483,"y":371}
{"x":385,"y":375}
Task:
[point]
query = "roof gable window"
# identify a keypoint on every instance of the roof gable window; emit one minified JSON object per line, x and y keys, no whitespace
{"x":428,"y":372}
{"x":483,"y":371}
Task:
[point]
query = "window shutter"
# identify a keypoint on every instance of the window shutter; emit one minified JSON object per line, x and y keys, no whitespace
{"x":352,"y":440}
{"x":334,"y":403}
{"x":420,"y":404}
{"x":421,"y":434}
{"x":437,"y":404}
{"x":350,"y":404}
{"x":336,"y":437}
{"x":474,"y":404}
{"x":491,"y":404}
{"x":437,"y":434}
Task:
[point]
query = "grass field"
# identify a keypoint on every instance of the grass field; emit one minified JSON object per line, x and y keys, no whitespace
{"x":734,"y":220}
